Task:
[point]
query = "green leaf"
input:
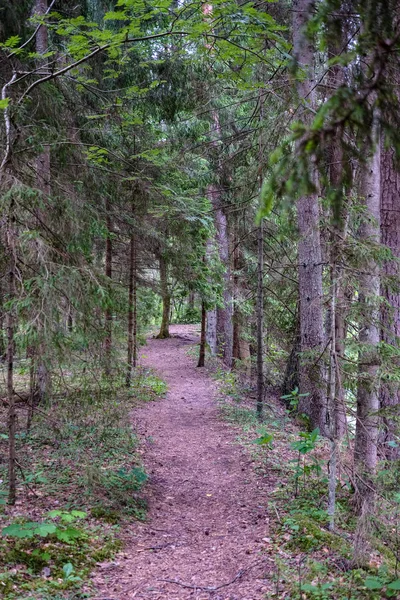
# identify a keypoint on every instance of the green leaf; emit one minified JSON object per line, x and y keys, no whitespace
{"x":68,"y":535}
{"x":45,"y":529}
{"x":4,"y":103}
{"x":68,"y":569}
{"x":373,"y":583}
{"x":394,"y":585}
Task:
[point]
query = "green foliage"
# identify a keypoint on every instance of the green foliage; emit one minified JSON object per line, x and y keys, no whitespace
{"x":265,"y":439}
{"x":63,"y":532}
{"x":307,"y":441}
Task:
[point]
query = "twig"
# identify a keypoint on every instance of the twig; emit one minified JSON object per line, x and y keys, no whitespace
{"x":24,"y":478}
{"x":212,"y":588}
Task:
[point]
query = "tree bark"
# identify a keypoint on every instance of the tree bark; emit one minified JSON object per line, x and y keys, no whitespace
{"x":366,"y":439}
{"x":312,"y":377}
{"x":108,"y":273}
{"x":42,"y":379}
{"x":224,"y":314}
{"x":12,"y":417}
{"x":390,"y":313}
{"x":337,"y":166}
{"x":211,"y":321}
{"x":166,"y":299}
{"x":3,"y":346}
{"x":202,"y":352}
{"x":131,"y":359}
{"x":260,"y":322}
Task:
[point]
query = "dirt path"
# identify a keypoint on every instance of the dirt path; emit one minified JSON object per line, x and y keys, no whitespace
{"x":207,"y":514}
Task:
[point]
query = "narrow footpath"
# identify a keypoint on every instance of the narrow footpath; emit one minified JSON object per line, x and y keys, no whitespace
{"x":207,"y":517}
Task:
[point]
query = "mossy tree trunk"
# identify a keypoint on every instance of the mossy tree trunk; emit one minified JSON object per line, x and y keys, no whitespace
{"x":166,"y":298}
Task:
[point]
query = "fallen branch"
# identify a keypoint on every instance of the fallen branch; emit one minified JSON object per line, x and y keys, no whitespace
{"x":212,"y":588}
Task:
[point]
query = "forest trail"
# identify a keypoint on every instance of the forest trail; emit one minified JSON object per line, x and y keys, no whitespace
{"x":207,"y":509}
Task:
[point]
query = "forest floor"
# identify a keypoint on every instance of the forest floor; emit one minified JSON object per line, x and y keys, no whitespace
{"x":207,"y":522}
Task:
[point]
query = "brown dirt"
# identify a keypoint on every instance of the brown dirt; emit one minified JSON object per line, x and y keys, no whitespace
{"x":207,"y":508}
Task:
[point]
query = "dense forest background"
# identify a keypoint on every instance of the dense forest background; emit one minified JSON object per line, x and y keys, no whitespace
{"x":233,"y":164}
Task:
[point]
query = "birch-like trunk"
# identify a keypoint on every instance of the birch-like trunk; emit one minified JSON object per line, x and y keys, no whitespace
{"x":312,"y":339}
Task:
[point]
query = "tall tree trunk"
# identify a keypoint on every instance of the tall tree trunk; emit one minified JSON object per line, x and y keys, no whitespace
{"x":135,"y":323}
{"x":365,"y":448}
{"x":12,"y":417}
{"x":131,"y":359}
{"x":211,"y":321}
{"x":166,"y":299}
{"x":337,"y":166}
{"x":3,"y":346}
{"x":312,"y":377}
{"x":108,"y":272}
{"x":42,"y":379}
{"x":260,"y":322}
{"x":202,"y":353}
{"x":390,"y":313}
{"x":225,"y":313}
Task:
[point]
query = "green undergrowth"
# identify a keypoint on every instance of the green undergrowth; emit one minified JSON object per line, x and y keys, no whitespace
{"x":311,"y":562}
{"x":81,"y":454}
{"x":54,"y":561}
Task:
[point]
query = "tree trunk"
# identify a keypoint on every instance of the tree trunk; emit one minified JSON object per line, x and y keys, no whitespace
{"x":42,"y":379}
{"x":365,"y":448}
{"x":390,"y":313}
{"x":292,"y":371}
{"x":166,"y":299}
{"x":202,"y":353}
{"x":3,"y":346}
{"x":211,"y":322}
{"x":131,"y":359}
{"x":135,"y":323}
{"x":260,"y":322}
{"x":12,"y":418}
{"x":108,"y":273}
{"x":224,"y":314}
{"x":312,"y":378}
{"x":337,"y":417}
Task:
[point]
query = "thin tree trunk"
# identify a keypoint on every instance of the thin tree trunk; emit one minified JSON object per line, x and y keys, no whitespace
{"x":366,"y":439}
{"x":12,"y":418}
{"x":202,"y":353}
{"x":191,"y":298}
{"x":338,"y":333}
{"x":166,"y":299}
{"x":31,"y":394}
{"x":3,"y":346}
{"x":312,"y":378}
{"x":42,"y":379}
{"x":332,"y":404}
{"x":131,"y":311}
{"x":260,"y":322}
{"x":108,"y":272}
{"x":135,"y":323}
{"x":211,"y":325}
{"x":235,"y":280}
{"x":390,"y":313}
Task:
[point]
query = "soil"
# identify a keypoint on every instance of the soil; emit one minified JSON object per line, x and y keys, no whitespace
{"x":207,"y":522}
